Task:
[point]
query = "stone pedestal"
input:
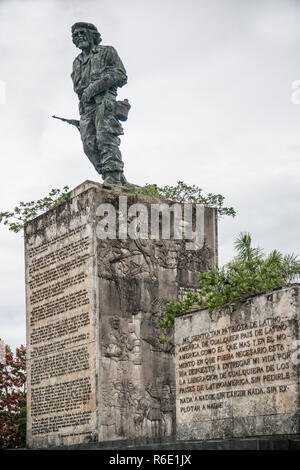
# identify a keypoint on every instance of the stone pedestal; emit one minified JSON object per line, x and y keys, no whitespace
{"x":237,"y":370}
{"x":96,"y":370}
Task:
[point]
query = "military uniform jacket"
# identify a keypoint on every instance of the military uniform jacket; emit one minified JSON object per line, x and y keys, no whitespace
{"x":102,"y":60}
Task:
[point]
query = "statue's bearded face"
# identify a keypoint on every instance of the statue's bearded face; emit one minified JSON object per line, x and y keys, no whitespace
{"x":81,"y":38}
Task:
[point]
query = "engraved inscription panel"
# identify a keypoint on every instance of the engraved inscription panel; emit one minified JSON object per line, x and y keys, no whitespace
{"x":235,"y":374}
{"x":60,"y":335}
{"x":244,"y":361}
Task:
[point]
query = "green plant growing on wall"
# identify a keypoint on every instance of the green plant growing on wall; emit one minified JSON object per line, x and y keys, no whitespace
{"x":26,"y":211}
{"x":183,"y":193}
{"x":249,"y":273}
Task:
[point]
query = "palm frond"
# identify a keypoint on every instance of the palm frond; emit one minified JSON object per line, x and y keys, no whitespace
{"x":245,"y":252}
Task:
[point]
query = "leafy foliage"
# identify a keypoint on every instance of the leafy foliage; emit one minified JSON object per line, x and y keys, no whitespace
{"x":13,"y":399}
{"x":29,"y":210}
{"x":249,"y":273}
{"x":183,"y":193}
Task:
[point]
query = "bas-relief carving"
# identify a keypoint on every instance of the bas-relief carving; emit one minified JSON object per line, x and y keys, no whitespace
{"x":142,"y":258}
{"x":161,"y":409}
{"x":253,"y":383}
{"x":130,"y":410}
{"x":136,"y":279}
{"x":130,"y":346}
{"x":131,"y":405}
{"x":120,"y":344}
{"x":135,"y":258}
{"x":126,"y":410}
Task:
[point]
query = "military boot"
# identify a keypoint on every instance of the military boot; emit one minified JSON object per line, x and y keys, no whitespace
{"x":112,"y":178}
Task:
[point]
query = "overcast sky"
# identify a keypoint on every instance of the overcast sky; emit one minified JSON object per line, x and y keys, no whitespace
{"x":210,"y":89}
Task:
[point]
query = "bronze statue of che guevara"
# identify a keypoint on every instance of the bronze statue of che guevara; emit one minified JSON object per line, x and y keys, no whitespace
{"x":97,"y":74}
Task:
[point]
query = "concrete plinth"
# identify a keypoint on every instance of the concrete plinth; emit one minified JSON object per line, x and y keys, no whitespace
{"x":96,"y":371}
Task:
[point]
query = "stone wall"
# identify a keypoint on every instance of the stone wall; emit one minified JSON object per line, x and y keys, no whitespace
{"x":237,"y":371}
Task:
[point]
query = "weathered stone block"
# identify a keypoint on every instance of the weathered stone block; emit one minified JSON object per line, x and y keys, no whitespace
{"x":96,"y":370}
{"x":237,"y":370}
